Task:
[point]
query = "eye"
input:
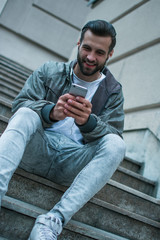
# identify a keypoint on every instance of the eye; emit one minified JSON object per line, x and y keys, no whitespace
{"x":100,"y":53}
{"x":87,"y":48}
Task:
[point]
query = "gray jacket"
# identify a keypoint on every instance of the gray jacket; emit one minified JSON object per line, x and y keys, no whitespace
{"x":43,"y":88}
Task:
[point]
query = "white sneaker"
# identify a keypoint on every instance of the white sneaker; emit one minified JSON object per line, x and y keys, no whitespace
{"x":47,"y":227}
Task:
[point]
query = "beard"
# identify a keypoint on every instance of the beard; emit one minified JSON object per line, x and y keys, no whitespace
{"x":87,"y":71}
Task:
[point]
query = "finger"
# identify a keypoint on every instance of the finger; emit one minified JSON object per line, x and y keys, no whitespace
{"x":80,"y":106}
{"x":63,"y":100}
{"x":82,"y":119}
{"x":82,"y":111}
{"x":84,"y":101}
{"x":79,"y":118}
{"x":67,"y":96}
{"x":73,"y":105}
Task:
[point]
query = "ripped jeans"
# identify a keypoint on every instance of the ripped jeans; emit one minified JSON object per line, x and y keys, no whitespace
{"x":85,"y":168}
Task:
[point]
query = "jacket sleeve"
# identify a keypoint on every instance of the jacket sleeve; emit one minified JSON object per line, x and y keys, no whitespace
{"x":111,"y":120}
{"x":33,"y":93}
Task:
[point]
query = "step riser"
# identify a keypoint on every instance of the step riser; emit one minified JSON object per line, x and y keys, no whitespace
{"x":3,"y":125}
{"x":129,"y":201}
{"x":5,"y":110}
{"x":21,"y":187}
{"x":7,"y":95}
{"x":92,"y":214}
{"x":69,"y":230}
{"x":13,"y":72}
{"x":18,"y":227}
{"x":133,"y":182}
{"x":116,"y":223}
{"x":12,"y":81}
{"x":11,"y":78}
{"x":8,"y":92}
{"x":14,"y":224}
{"x":14,"y":67}
{"x":131,"y":166}
{"x":9,"y":86}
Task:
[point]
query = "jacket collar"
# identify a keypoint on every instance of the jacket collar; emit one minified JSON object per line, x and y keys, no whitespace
{"x":107,"y":87}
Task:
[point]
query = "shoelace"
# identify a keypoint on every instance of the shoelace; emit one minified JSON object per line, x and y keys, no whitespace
{"x":47,"y":234}
{"x":55,"y":223}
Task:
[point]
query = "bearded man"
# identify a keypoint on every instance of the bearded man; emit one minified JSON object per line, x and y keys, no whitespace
{"x":66,"y":138}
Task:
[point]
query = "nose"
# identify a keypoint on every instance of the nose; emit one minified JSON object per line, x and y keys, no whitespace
{"x":91,"y":57}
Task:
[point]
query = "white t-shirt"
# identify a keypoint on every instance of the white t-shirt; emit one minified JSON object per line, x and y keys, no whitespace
{"x":67,"y":126}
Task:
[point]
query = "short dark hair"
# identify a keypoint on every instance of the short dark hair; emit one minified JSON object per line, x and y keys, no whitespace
{"x":100,"y":28}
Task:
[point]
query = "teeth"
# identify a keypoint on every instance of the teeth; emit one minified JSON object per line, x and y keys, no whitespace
{"x":90,"y":64}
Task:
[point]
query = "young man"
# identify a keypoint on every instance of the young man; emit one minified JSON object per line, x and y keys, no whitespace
{"x":68,"y":139}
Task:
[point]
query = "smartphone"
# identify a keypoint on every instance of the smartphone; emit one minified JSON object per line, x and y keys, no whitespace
{"x":78,"y":90}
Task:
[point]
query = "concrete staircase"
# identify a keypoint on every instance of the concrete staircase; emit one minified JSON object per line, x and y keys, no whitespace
{"x":126,"y":208}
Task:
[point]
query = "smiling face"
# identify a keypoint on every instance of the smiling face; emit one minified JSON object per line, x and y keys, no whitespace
{"x":92,"y":56}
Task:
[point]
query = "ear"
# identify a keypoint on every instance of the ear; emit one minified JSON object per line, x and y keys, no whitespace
{"x":111,"y":53}
{"x":78,"y":43}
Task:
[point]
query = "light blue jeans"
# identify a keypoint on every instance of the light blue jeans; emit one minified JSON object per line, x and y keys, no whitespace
{"x":85,"y":168}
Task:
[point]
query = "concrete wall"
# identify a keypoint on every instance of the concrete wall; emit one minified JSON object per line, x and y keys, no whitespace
{"x":35,"y":31}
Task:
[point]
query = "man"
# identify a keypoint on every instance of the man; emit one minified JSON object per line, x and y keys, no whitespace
{"x":68,"y":139}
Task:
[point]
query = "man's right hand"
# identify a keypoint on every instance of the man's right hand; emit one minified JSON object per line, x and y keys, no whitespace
{"x":57,"y":113}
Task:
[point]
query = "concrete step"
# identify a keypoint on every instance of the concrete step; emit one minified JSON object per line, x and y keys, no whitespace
{"x":12,"y":79}
{"x":135,"y":181}
{"x":130,"y":199}
{"x":14,"y":66}
{"x":5,"y":93}
{"x":8,"y":86}
{"x":14,"y":71}
{"x":100,"y":214}
{"x":26,"y":184}
{"x":12,"y":74}
{"x":5,"y":107}
{"x":132,"y":165}
{"x":3,"y":123}
{"x":25,"y":215}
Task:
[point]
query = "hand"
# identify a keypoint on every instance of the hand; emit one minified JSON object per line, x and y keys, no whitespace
{"x":79,"y":109}
{"x":58,"y":113}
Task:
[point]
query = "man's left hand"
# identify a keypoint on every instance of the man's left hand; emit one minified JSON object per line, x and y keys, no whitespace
{"x":79,"y":109}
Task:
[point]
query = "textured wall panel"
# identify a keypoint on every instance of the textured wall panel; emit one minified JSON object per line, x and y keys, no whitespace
{"x":110,"y":9}
{"x":45,"y":27}
{"x":70,"y":11}
{"x":139,"y":75}
{"x":138,"y":28}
